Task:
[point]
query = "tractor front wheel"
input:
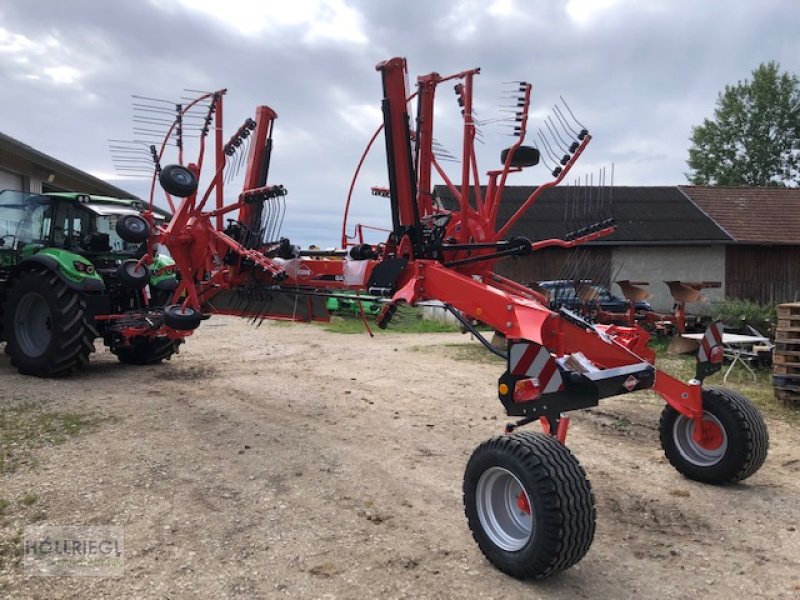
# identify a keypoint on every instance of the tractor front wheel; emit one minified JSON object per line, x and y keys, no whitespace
{"x":732,"y":444}
{"x":47,"y":329}
{"x":145,"y":351}
{"x":529,"y":505}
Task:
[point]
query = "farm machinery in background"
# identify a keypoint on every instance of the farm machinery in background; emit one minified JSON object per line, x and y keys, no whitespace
{"x":527,"y":499}
{"x":595,"y":303}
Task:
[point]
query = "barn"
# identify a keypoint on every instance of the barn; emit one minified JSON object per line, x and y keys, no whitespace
{"x":26,"y":169}
{"x":745,"y":239}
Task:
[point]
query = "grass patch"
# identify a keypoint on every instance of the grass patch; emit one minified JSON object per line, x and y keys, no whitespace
{"x":406,"y":320}
{"x":468,"y":351}
{"x":26,"y":427}
{"x":29,"y":499}
{"x":3,"y":506}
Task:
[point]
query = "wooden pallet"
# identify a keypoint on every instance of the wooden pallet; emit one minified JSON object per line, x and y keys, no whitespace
{"x":789,"y":350}
{"x":788,"y":398}
{"x":787,"y":369}
{"x":787,"y":337}
{"x":791,"y":309}
{"x":786,"y":381}
{"x":786,"y":356}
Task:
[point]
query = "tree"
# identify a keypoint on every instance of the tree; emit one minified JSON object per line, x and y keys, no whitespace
{"x":754,"y":139}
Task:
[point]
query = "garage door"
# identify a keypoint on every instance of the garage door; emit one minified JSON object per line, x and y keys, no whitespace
{"x":10,"y":181}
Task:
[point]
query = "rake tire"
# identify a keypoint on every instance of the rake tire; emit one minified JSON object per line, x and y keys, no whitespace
{"x":558,"y":496}
{"x":182,"y":318}
{"x":144,"y":351}
{"x":746,"y":440}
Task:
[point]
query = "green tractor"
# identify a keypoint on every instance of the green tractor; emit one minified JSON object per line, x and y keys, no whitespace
{"x":70,"y":272}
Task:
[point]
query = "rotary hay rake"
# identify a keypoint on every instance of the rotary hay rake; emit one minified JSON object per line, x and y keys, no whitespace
{"x":528,"y":502}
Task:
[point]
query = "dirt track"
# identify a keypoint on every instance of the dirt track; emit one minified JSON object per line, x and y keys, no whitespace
{"x":289,"y":462}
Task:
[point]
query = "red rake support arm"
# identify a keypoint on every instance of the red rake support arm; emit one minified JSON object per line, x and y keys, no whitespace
{"x":521,"y":318}
{"x":535,"y":195}
{"x":402,"y":176}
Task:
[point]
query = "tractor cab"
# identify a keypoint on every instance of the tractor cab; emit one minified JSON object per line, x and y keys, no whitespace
{"x":88,"y":225}
{"x":79,"y":223}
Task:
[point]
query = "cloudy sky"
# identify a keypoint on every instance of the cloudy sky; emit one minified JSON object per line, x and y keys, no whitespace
{"x":638,"y":74}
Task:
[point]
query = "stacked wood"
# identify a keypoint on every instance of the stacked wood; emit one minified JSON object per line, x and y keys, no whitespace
{"x":786,"y":357}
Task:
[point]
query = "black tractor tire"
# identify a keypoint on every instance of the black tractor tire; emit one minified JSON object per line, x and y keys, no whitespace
{"x":133,"y":275}
{"x":735,"y":448}
{"x":182,"y":318}
{"x":146,"y":351}
{"x":529,"y":505}
{"x":178,"y":181}
{"x":47,"y":327}
{"x":133,"y":228}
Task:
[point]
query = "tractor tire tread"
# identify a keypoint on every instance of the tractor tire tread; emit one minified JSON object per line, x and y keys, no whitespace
{"x":74,"y":335}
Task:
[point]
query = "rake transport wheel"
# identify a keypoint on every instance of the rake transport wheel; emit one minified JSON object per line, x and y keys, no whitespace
{"x":48,"y":331}
{"x":178,"y":181}
{"x":182,"y":318}
{"x":734,"y":439}
{"x":528,"y":504}
{"x":133,"y":275}
{"x":145,"y":351}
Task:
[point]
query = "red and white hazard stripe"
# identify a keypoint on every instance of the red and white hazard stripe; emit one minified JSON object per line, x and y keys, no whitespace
{"x":711,"y":344}
{"x":527,"y":359}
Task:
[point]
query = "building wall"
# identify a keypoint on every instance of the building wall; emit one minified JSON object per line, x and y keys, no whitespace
{"x":657,"y":264}
{"x":559,"y":263}
{"x":764,"y":274}
{"x":19,"y":173}
{"x":10,"y":180}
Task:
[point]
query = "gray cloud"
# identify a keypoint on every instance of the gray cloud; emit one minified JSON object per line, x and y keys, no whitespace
{"x":638,"y":74}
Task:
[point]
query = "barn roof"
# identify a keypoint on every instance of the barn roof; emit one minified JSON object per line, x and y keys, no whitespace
{"x":68,"y":175}
{"x":751,"y":215}
{"x":644,"y":215}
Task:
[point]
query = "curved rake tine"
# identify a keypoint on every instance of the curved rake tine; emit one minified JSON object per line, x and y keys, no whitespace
{"x":542,"y":156}
{"x":564,"y":123}
{"x":557,"y":141}
{"x":584,"y":131}
{"x":547,"y":148}
{"x":571,"y":147}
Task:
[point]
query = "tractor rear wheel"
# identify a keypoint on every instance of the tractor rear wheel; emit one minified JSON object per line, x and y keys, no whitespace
{"x":529,"y":505}
{"x":146,"y":351}
{"x":47,"y":329}
{"x":733,"y":444}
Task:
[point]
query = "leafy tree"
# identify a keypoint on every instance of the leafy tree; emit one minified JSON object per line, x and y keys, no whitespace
{"x":754,"y":139}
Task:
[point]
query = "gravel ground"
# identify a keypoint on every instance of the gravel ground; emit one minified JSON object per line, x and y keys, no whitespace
{"x":286,"y":462}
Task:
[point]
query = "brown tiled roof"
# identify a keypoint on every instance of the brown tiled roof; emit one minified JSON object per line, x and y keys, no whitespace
{"x":751,"y":215}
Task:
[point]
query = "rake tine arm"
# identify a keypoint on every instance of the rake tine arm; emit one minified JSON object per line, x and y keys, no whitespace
{"x":535,"y":195}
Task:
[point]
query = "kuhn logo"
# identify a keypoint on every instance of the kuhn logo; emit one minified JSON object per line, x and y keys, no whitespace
{"x":303,"y":272}
{"x":630,"y":383}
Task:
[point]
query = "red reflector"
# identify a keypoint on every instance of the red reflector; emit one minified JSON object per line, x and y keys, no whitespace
{"x":526,"y":390}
